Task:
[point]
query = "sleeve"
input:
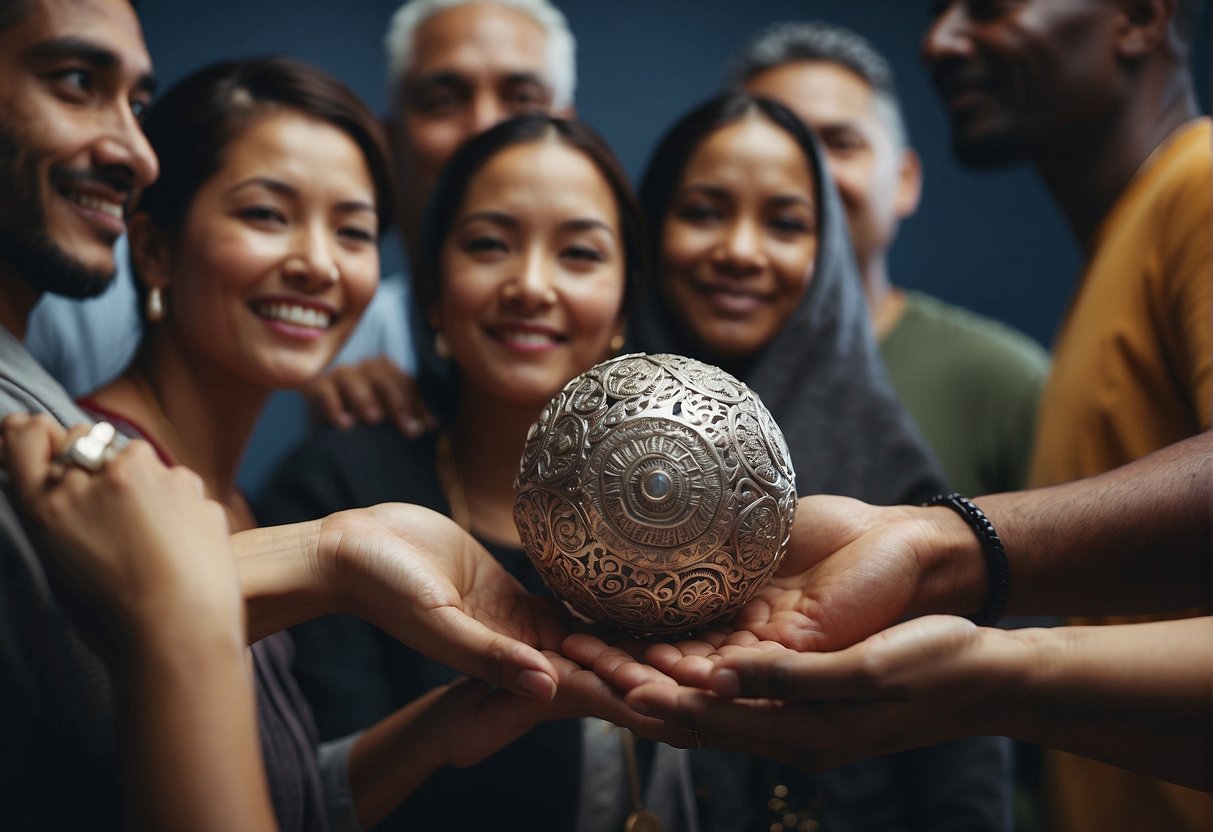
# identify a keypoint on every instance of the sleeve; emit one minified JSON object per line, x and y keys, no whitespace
{"x":333,"y":760}
{"x":1188,"y":276}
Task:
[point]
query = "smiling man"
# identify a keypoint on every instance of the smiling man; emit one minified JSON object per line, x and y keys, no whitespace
{"x":1098,"y":97}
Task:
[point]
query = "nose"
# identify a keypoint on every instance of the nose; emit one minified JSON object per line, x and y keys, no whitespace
{"x":741,"y":253}
{"x":946,"y":37}
{"x":532,"y":287}
{"x":486,"y":112}
{"x":311,"y":265}
{"x":123,"y":147}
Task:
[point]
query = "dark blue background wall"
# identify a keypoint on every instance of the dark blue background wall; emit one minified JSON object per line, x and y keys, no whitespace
{"x":992,"y":242}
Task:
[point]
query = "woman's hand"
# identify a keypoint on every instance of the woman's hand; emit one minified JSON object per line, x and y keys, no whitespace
{"x":136,"y":545}
{"x":365,"y":392}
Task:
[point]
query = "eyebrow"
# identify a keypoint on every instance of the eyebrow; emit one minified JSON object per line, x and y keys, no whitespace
{"x":512,"y":222}
{"x":450,"y":77}
{"x":92,"y":53}
{"x":718,"y":192}
{"x":277,"y":186}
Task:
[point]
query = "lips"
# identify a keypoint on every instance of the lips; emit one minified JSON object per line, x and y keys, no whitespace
{"x":100,"y":196}
{"x":733,"y":301}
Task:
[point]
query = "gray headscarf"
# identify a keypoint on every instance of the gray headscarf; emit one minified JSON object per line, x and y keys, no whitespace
{"x":821,"y":377}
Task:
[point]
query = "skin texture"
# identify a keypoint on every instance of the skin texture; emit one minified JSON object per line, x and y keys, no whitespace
{"x":289,"y":219}
{"x":806,"y":674}
{"x":534,"y":275}
{"x":473,"y":66}
{"x":740,"y":238}
{"x":142,"y":564}
{"x":880,"y":183}
{"x":74,"y":75}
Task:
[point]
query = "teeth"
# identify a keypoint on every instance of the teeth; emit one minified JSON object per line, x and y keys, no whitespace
{"x":294,"y":314}
{"x":113,"y":209}
{"x":527,"y":337}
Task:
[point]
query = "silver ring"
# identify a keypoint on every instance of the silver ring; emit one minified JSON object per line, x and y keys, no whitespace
{"x":93,"y":450}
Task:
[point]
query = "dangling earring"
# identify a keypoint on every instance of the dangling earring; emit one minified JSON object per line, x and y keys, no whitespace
{"x":617,"y":343}
{"x":442,"y":348}
{"x":155,"y":304}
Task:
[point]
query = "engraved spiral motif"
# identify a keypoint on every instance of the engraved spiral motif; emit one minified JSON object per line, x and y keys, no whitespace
{"x":655,"y":493}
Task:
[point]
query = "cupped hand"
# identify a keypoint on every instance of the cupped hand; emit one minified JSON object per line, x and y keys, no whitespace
{"x":419,"y":577}
{"x":921,"y":682}
{"x":367,"y":392}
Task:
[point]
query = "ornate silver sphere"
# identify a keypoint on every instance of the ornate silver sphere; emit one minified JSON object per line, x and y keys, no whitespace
{"x":655,"y":494}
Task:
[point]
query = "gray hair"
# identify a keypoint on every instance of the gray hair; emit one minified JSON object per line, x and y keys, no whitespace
{"x":561,"y":46}
{"x":783,"y":43}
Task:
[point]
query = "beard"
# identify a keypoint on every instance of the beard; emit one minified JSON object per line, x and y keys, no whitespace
{"x":25,"y":244}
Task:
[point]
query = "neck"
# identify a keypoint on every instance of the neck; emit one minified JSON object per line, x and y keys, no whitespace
{"x":885,"y":301}
{"x":487,"y":438}
{"x":1087,"y":176}
{"x":17,"y":300}
{"x":199,"y":413}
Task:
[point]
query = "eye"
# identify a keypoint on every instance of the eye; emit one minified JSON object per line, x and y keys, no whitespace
{"x":526,"y":98}
{"x":358,"y":233}
{"x":788,"y":224}
{"x":139,"y":107}
{"x":263,"y":214}
{"x":699,"y":212}
{"x":583,"y":253}
{"x":73,"y":83}
{"x":484,"y":244}
{"x":437,"y":99}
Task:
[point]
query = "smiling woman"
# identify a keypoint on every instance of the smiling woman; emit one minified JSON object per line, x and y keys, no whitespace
{"x":528,"y":250}
{"x":753,"y":270}
{"x":256,"y":253}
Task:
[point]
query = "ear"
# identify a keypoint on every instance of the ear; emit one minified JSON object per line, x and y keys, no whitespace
{"x":151,"y":252}
{"x":909,"y":184}
{"x":1144,"y":26}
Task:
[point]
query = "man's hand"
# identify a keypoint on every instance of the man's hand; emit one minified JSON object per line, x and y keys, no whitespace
{"x":921,"y":682}
{"x":365,"y":392}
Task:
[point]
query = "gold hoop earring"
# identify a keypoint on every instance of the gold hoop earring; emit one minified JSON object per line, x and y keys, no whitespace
{"x":617,"y":342}
{"x":155,"y":304}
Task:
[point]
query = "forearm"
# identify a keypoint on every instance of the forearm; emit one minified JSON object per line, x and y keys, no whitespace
{"x":188,"y":725}
{"x":1133,"y":540}
{"x":1136,"y":696}
{"x":285,"y":577}
{"x":394,"y":757}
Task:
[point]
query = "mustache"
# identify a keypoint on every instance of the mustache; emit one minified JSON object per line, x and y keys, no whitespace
{"x":113,"y":178}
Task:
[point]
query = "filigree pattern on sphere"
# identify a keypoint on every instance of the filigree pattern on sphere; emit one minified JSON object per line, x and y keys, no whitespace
{"x":655,"y":494}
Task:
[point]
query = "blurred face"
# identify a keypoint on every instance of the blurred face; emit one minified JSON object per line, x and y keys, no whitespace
{"x":740,"y":237}
{"x":533,"y":274}
{"x":277,"y":257}
{"x":1023,"y":77}
{"x":473,"y":66}
{"x":74,"y":78}
{"x":879,"y":182}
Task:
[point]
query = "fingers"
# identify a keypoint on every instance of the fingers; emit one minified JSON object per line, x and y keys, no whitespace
{"x":398,"y":395}
{"x":32,"y":443}
{"x":470,"y":647}
{"x":325,"y":395}
{"x":612,"y":664}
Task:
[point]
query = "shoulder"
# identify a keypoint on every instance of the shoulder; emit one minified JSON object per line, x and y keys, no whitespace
{"x":962,"y":335}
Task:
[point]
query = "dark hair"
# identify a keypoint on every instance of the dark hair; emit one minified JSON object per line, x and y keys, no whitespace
{"x":193,"y":124}
{"x":13,"y":12}
{"x":447,"y":198}
{"x":678,"y":145}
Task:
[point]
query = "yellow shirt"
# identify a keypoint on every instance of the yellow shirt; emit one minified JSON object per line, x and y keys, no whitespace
{"x":1131,"y":374}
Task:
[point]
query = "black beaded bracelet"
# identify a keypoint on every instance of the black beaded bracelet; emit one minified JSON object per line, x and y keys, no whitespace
{"x":991,"y":547}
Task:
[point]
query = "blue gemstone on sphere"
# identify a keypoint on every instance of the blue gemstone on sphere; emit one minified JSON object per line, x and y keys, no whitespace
{"x":657,"y":485}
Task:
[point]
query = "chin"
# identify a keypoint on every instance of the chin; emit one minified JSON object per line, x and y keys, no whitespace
{"x":992,"y":150}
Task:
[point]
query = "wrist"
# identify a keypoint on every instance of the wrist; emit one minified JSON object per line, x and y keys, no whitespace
{"x":952,"y":570}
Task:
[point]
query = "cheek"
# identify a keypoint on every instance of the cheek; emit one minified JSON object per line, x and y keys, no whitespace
{"x":794,"y":270}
